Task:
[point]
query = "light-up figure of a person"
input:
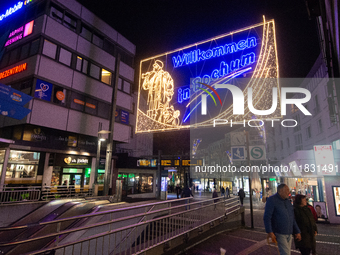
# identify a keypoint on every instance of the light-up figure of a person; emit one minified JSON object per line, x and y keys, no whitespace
{"x":160,"y":86}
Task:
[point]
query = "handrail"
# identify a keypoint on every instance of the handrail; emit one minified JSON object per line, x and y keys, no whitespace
{"x":152,"y":224}
{"x":109,"y":221}
{"x":91,"y":215}
{"x":148,"y":222}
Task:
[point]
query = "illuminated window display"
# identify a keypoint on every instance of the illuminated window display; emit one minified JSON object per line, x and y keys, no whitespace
{"x":173,"y":86}
{"x":2,"y":156}
{"x":136,"y":183}
{"x":22,"y":164}
{"x":336,"y":194}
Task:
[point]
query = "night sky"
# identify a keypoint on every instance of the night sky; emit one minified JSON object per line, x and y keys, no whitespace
{"x":157,"y":26}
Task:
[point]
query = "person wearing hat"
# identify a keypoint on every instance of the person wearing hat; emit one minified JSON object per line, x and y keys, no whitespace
{"x":305,"y":220}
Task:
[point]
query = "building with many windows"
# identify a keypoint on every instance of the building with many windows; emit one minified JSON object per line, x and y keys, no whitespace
{"x":66,"y":58}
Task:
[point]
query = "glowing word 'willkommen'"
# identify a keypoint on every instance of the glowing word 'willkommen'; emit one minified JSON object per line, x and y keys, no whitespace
{"x":198,"y":55}
{"x":160,"y":85}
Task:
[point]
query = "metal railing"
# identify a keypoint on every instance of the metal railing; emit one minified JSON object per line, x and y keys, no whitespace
{"x":34,"y":193}
{"x":151,"y":228}
{"x":19,"y":194}
{"x":60,"y":192}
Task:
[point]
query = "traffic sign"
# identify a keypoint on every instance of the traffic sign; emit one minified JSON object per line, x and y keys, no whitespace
{"x":257,"y":152}
{"x":13,"y":96}
{"x":13,"y":111}
{"x":12,"y":102}
{"x":238,"y":153}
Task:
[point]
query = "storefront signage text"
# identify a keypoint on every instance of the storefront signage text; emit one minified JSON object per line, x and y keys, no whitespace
{"x":14,"y":70}
{"x":20,"y":33}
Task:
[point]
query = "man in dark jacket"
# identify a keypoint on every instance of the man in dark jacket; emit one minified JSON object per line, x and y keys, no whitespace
{"x":242,"y":195}
{"x":186,"y":193}
{"x":279,"y":220}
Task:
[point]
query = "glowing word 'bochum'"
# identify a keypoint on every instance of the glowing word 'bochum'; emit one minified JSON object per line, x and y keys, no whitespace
{"x":198,"y":55}
{"x":11,"y":10}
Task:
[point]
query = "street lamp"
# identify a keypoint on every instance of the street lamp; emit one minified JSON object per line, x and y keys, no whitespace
{"x":100,"y":140}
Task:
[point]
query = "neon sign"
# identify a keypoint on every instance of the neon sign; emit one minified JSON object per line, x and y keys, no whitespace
{"x":20,"y":33}
{"x":14,"y":9}
{"x":173,"y":86}
{"x":14,"y":70}
{"x":198,"y":55}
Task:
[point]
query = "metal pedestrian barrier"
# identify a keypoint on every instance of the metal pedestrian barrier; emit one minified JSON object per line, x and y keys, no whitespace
{"x":132,"y":230}
{"x":19,"y":194}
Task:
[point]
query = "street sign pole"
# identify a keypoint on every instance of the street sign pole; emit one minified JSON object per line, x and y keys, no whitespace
{"x":249,"y":180}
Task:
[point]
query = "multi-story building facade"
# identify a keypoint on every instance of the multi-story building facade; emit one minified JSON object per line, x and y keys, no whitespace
{"x":294,"y":147}
{"x":70,"y":69}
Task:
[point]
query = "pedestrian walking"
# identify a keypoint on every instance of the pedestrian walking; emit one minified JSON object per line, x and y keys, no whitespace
{"x":222,"y":192}
{"x":227,"y":192}
{"x":186,"y":193}
{"x":178,"y":190}
{"x":305,"y":220}
{"x":242,"y":195}
{"x":214,"y":195}
{"x":279,"y":220}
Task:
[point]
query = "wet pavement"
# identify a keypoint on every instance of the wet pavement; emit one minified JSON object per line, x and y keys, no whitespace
{"x":253,"y":240}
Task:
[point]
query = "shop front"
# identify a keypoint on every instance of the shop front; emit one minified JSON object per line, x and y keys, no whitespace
{"x":137,"y":183}
{"x":22,"y":168}
{"x":71,"y":170}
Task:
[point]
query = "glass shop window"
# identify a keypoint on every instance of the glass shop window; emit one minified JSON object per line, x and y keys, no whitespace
{"x":77,"y":101}
{"x":22,"y":164}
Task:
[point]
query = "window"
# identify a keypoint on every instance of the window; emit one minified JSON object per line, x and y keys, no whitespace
{"x":94,"y":71}
{"x":127,"y":87}
{"x":14,"y":56}
{"x":106,"y":77}
{"x":98,"y":40}
{"x":86,"y":33}
{"x":49,"y":49}
{"x":109,"y":47}
{"x":24,"y":51}
{"x":34,"y":47}
{"x":79,"y":62}
{"x":103,"y":110}
{"x":120,"y":84}
{"x":91,"y":106}
{"x":22,"y":164}
{"x":59,"y":95}
{"x":308,"y":132}
{"x":77,"y":101}
{"x":85,"y":66}
{"x":65,"y":57}
{"x":70,"y":22}
{"x":317,"y":106}
{"x":298,"y":126}
{"x":56,"y":13}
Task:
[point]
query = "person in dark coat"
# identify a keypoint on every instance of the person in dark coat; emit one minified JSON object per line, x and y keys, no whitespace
{"x":242,"y":195}
{"x":305,"y":220}
{"x":215,"y":195}
{"x":186,"y":193}
{"x":178,"y":190}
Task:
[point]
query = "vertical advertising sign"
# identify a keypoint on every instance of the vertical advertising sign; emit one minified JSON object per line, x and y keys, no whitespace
{"x":324,"y":160}
{"x":43,"y":90}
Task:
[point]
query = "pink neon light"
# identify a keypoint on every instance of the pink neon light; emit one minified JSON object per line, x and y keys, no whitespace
{"x":28,"y":28}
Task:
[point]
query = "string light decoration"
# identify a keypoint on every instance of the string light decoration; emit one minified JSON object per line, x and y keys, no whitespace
{"x":169,"y":95}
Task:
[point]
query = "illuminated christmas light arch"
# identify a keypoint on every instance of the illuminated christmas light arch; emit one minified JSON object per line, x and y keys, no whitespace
{"x":170,"y":84}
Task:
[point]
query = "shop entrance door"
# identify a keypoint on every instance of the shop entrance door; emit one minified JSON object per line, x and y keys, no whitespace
{"x":73,"y":177}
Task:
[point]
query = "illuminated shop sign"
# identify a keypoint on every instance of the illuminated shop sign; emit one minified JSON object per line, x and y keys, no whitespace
{"x":20,"y":33}
{"x":174,"y":87}
{"x":14,"y":70}
{"x":14,"y":9}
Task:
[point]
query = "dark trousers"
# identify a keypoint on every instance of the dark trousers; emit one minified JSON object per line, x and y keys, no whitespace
{"x":241,"y":199}
{"x":305,"y":251}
